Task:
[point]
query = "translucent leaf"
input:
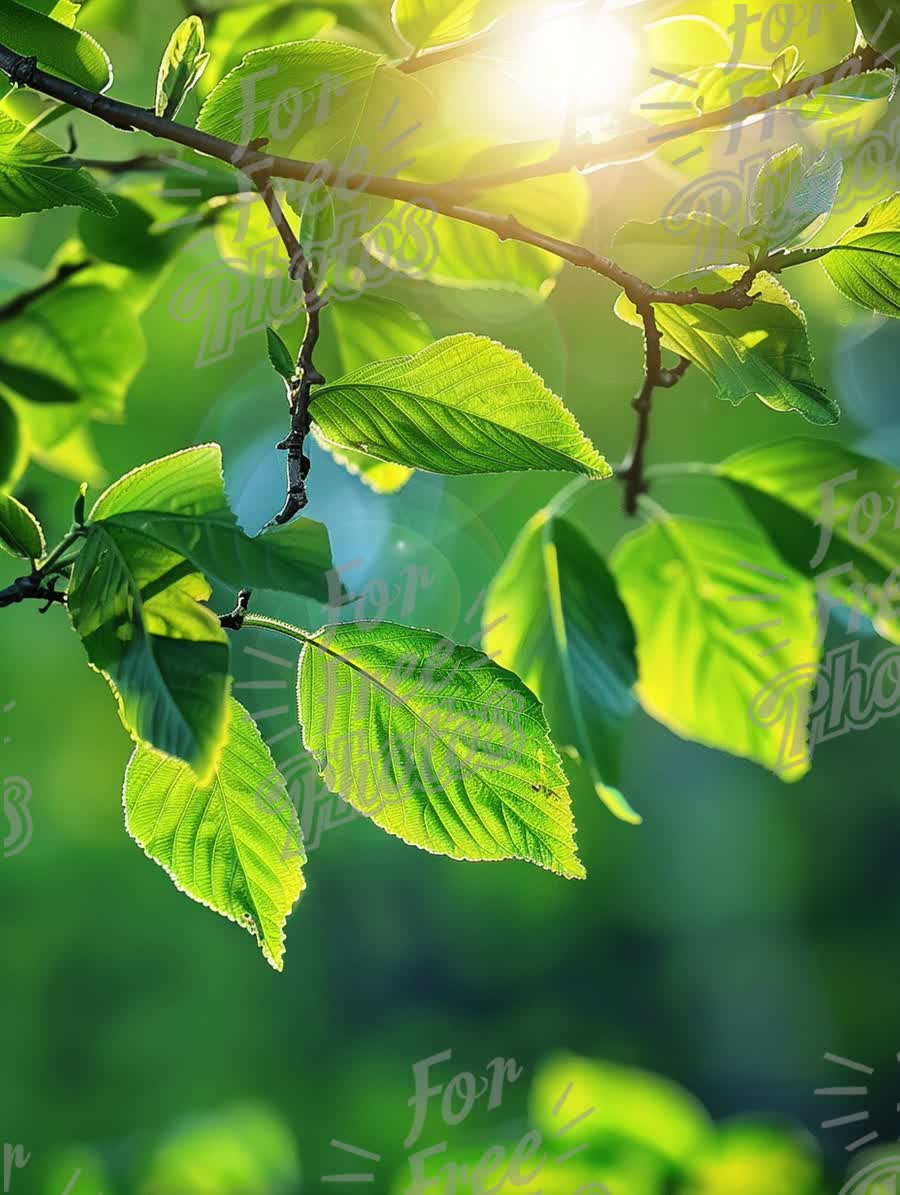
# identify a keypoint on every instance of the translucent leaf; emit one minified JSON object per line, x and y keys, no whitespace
{"x":179,"y":503}
{"x":35,"y":175}
{"x":335,"y":105}
{"x":241,"y":30}
{"x":865,"y":263}
{"x":705,"y":239}
{"x":369,"y":329}
{"x":453,"y":253}
{"x":759,"y":351}
{"x":553,"y":616}
{"x":20,"y":532}
{"x":791,"y":200}
{"x":830,"y":514}
{"x":436,"y":744}
{"x":630,"y":1109}
{"x":183,"y":62}
{"x":463,"y":405}
{"x":427,"y":23}
{"x":720,"y":619}
{"x":223,"y":840}
{"x":59,"y":49}
{"x":786,"y":66}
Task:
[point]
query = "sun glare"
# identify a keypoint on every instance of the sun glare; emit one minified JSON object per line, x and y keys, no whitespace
{"x":579,"y":61}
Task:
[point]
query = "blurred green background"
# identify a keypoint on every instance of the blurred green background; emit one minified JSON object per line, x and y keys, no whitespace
{"x":746,"y":929}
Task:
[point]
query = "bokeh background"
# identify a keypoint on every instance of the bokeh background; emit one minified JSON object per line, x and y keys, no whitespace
{"x":746,"y":929}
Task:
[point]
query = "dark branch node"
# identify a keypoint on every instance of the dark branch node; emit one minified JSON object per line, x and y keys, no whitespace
{"x":234,"y":621}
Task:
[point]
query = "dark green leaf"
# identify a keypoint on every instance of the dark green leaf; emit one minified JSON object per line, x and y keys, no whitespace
{"x":282,"y":361}
{"x":179,"y":503}
{"x":137,"y":607}
{"x":554,"y":617}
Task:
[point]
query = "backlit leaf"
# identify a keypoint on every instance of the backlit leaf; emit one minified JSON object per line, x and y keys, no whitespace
{"x":20,"y":532}
{"x":35,"y":174}
{"x":183,"y":62}
{"x":436,"y":744}
{"x":721,"y":621}
{"x":465,"y":404}
{"x":58,"y":48}
{"x":223,"y":841}
{"x":830,"y":514}
{"x":760,"y":351}
{"x":865,"y":263}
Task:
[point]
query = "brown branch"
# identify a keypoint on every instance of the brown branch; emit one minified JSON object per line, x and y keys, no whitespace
{"x":299,"y":389}
{"x":25,"y":72}
{"x":631,"y":471}
{"x":640,"y":142}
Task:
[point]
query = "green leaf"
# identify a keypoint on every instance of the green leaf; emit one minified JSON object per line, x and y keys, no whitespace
{"x":758,"y":1158}
{"x":761,"y":350}
{"x":73,"y":342}
{"x":13,"y":447}
{"x":428,"y":23}
{"x":58,"y":48}
{"x":631,"y":1110}
{"x":238,"y":31}
{"x":282,"y":361}
{"x":720,"y":619}
{"x":865,"y":263}
{"x":336,"y":105}
{"x":128,"y":240}
{"x":709,"y":239}
{"x":786,"y":66}
{"x":35,"y":174}
{"x":20,"y":532}
{"x":242,"y":1149}
{"x":828,"y":510}
{"x":179,"y":504}
{"x":554,"y":617}
{"x":879,"y":23}
{"x":465,"y":404}
{"x":183,"y":62}
{"x":436,"y":744}
{"x":136,"y":606}
{"x":369,"y":329}
{"x":452,"y":253}
{"x":223,"y":840}
{"x":792,"y":200}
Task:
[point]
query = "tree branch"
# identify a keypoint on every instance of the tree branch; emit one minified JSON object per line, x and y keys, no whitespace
{"x":299,"y":389}
{"x":631,"y":471}
{"x":24,"y":72}
{"x":636,"y":143}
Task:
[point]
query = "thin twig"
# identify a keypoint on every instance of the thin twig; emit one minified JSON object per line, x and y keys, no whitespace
{"x":631,"y":472}
{"x":299,"y":389}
